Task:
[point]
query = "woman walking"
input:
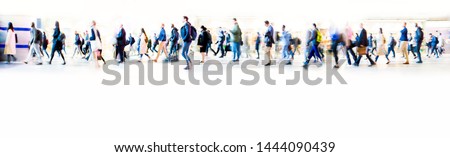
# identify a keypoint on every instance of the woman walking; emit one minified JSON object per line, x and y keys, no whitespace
{"x":203,"y":43}
{"x":10,"y":43}
{"x":381,"y":47}
{"x":57,"y":44}
{"x":142,"y":45}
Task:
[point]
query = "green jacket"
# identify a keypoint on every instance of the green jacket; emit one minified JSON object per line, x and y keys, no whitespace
{"x":236,"y":34}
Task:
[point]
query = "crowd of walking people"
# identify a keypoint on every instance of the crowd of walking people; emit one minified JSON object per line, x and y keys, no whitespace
{"x":355,"y":46}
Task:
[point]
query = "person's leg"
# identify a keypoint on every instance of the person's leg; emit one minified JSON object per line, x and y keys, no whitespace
{"x":160,"y":48}
{"x":358,"y":60}
{"x":52,"y":54}
{"x":418,"y":52}
{"x":30,"y":54}
{"x":238,"y":51}
{"x":62,"y":56}
{"x":185,"y":54}
{"x":37,"y":49}
{"x":404,"y":50}
{"x":257,"y":51}
{"x":233,"y":48}
{"x":370,"y":59}
{"x":268,"y":56}
{"x":165,"y":49}
{"x":203,"y":56}
{"x":222,"y":50}
{"x":376,"y":58}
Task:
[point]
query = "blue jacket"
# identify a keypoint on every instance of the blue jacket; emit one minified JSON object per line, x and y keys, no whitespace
{"x":404,"y":34}
{"x":313,"y":37}
{"x":258,"y":39}
{"x":434,"y":40}
{"x":221,"y":38}
{"x":185,"y":34}
{"x":162,"y":35}
{"x":77,"y":39}
{"x":121,"y":38}
{"x":286,"y":38}
{"x":419,"y":35}
{"x":174,"y":35}
{"x":268,"y":36}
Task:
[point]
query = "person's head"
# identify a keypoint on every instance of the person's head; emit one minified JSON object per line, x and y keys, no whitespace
{"x":76,"y":32}
{"x":381,"y":30}
{"x":314,"y":25}
{"x":185,"y":19}
{"x":154,"y":34}
{"x":417,"y":25}
{"x":142,"y":31}
{"x":257,"y":33}
{"x":10,"y":26}
{"x":370,"y":34}
{"x":431,"y":34}
{"x":130,"y":34}
{"x":121,"y":26}
{"x":266,"y":23}
{"x":94,"y":23}
{"x":57,"y":24}
{"x":234,"y":20}
{"x":361,"y":25}
{"x":162,"y":25}
{"x":283,"y":28}
{"x":404,"y":24}
{"x":172,"y":26}
{"x":32,"y":25}
{"x":440,"y":33}
{"x":392,"y":34}
{"x":203,"y":28}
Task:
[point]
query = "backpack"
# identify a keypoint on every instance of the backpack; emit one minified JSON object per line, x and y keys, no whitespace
{"x":38,"y":35}
{"x":319,"y":36}
{"x":394,"y":42}
{"x":132,"y":41}
{"x":193,"y":33}
{"x":61,"y":37}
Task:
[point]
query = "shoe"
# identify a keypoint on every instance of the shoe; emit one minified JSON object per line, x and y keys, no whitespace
{"x":336,"y":66}
{"x":257,"y":57}
{"x":221,"y":57}
{"x":419,"y":62}
{"x":49,"y":62}
{"x":415,"y":57}
{"x":388,"y":62}
{"x":25,"y":62}
{"x":64,"y":63}
{"x":354,"y":64}
{"x":155,"y":60}
{"x":406,"y":63}
{"x":268,"y":64}
{"x":186,"y":68}
{"x":289,"y":63}
{"x":38,"y":63}
{"x":202,"y":62}
{"x":120,"y":62}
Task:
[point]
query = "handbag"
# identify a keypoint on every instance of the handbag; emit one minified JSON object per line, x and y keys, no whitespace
{"x":361,"y":50}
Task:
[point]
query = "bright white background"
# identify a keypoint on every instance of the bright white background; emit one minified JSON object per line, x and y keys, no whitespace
{"x":384,"y":111}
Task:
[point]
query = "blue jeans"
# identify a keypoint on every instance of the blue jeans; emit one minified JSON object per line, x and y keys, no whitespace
{"x":390,"y":48}
{"x":236,"y":47}
{"x":285,"y":52}
{"x":185,"y":52}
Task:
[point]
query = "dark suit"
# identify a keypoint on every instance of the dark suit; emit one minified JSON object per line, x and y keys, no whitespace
{"x":121,"y":43}
{"x":362,"y":43}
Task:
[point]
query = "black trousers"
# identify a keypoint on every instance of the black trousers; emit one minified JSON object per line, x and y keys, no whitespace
{"x":120,"y":52}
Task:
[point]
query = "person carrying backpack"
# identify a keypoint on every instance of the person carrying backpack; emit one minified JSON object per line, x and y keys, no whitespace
{"x":418,"y":39}
{"x":57,"y":44}
{"x":188,"y":34}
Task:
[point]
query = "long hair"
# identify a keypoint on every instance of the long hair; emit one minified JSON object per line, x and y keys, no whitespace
{"x":10,"y":26}
{"x":145,"y":34}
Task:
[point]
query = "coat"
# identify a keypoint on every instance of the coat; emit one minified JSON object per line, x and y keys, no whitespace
{"x":381,"y":45}
{"x":236,"y":34}
{"x":10,"y":43}
{"x":142,"y":44}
